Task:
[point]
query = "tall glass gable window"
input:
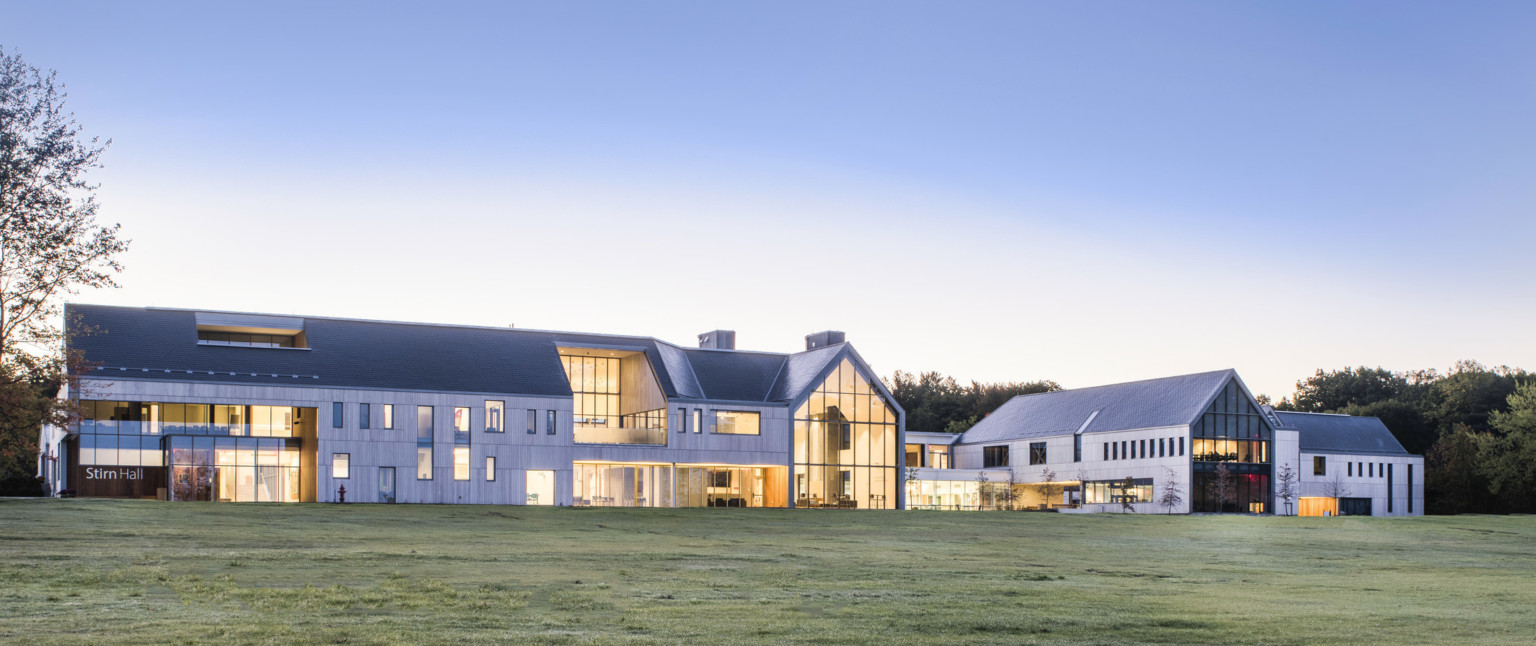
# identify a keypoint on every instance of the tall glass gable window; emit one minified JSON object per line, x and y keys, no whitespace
{"x":1232,"y":432}
{"x":614,"y":399}
{"x":461,"y":443}
{"x":845,"y":449}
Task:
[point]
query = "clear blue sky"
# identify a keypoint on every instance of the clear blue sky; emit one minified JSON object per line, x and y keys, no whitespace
{"x":1087,"y":192}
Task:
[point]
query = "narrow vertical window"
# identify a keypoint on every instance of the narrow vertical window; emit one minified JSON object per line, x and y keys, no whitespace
{"x":424,"y":430}
{"x":1410,"y":488}
{"x":387,"y":416}
{"x":1114,"y":450}
{"x":493,"y":415}
{"x":1124,"y":455}
{"x":336,"y":414}
{"x":490,"y":468}
{"x":533,"y":421}
{"x":1391,"y":494}
{"x":461,"y":443}
{"x":362,"y":416}
{"x":1077,"y":447}
{"x":682,"y":420}
{"x":1181,"y":447}
{"x":549,"y":424}
{"x":698,"y":420}
{"x":341,"y":465}
{"x":1350,"y":468}
{"x":1162,"y":449}
{"x":1106,"y":451}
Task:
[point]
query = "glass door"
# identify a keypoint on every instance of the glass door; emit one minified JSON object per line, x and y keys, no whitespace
{"x":386,"y":484}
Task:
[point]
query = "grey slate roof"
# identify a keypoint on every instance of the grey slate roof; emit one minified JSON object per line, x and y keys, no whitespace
{"x":802,"y":371}
{"x":1327,"y":433}
{"x":1169,"y":401}
{"x":161,"y":344}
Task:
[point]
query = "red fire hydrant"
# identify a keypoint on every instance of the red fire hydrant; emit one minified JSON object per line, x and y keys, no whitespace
{"x":342,"y":493}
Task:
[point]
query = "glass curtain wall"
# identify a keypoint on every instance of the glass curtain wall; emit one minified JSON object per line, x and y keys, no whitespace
{"x":845,"y":445}
{"x":648,"y":485}
{"x":595,"y":404}
{"x":155,"y":418}
{"x":1232,"y":432}
{"x":955,"y":495}
{"x":622,"y":485}
{"x":234,"y":469}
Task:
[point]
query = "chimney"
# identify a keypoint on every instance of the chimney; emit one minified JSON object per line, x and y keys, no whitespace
{"x":824,"y":339}
{"x":718,"y":340}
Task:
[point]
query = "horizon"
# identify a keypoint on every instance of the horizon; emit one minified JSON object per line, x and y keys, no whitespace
{"x":994,"y":192}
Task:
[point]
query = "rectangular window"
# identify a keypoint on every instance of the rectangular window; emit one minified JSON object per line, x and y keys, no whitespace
{"x":1162,"y":448}
{"x":1124,"y":454}
{"x":533,"y":421}
{"x":1036,"y":453}
{"x":994,"y":456}
{"x":336,"y":409}
{"x":1181,"y":447}
{"x":734,"y":422}
{"x":424,"y":462}
{"x":387,"y":416}
{"x":698,"y":420}
{"x":1410,"y":488}
{"x":1350,"y":467}
{"x":1390,"y":494}
{"x":1114,"y":450}
{"x":549,"y":423}
{"x":1319,"y":465}
{"x":682,"y":420}
{"x":341,"y":465}
{"x":423,"y":423}
{"x":1106,"y":451}
{"x":362,"y":416}
{"x":1077,"y":447}
{"x":493,"y":413}
{"x":460,"y":463}
{"x":1143,"y":449}
{"x":460,"y":420}
{"x":490,"y":468}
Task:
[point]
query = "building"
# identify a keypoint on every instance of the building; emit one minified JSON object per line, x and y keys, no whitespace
{"x":1120,"y":447}
{"x":222,"y":406}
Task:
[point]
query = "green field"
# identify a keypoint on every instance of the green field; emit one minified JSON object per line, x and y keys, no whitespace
{"x":107,"y":571}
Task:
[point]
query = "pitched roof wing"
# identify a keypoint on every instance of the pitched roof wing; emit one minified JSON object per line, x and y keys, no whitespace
{"x":1328,"y":433}
{"x":1169,"y":401}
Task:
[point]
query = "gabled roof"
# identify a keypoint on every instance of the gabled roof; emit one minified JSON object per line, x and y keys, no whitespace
{"x":161,"y":344}
{"x":1169,"y":401}
{"x":803,"y":371}
{"x":1328,"y":433}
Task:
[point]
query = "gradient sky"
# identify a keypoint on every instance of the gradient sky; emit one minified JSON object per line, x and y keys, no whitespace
{"x":1085,"y":192}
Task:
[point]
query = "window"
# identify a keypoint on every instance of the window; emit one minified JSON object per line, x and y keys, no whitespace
{"x":362,"y":416}
{"x":1143,"y":449}
{"x":1390,"y":493}
{"x":1162,"y":451}
{"x":1036,"y":453}
{"x":1106,"y":451}
{"x":733,"y":422}
{"x":424,"y":430}
{"x":698,"y":420}
{"x":490,"y":468}
{"x":460,"y":462}
{"x":1319,"y":465}
{"x":994,"y":456}
{"x":1124,"y":455}
{"x":493,"y":411}
{"x":1410,"y":488}
{"x":533,"y":421}
{"x":1350,"y":467}
{"x":1181,"y":447}
{"x":914,"y":455}
{"x":682,"y":420}
{"x":387,"y":416}
{"x":938,"y":456}
{"x":336,"y":416}
{"x":549,"y":423}
{"x":1077,"y":447}
{"x":461,"y":420}
{"x":1114,"y":450}
{"x":341,"y":465}
{"x":206,"y":336}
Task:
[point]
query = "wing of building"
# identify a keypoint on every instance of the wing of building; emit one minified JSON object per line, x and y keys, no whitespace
{"x":1125,"y":447}
{"x":200,"y":405}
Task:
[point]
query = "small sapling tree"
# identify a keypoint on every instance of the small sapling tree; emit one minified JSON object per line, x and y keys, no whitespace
{"x":1049,"y":487}
{"x":1171,"y":496}
{"x":1285,"y":486}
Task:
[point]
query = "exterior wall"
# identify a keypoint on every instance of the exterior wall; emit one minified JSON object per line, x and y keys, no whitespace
{"x":1368,"y":486}
{"x":515,"y":450}
{"x":1093,"y":466}
{"x":1286,"y":451}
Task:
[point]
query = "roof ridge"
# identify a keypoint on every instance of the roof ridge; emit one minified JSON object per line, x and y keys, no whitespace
{"x":1125,"y":383}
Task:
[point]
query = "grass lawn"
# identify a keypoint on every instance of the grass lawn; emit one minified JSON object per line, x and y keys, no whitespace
{"x":106,"y":571}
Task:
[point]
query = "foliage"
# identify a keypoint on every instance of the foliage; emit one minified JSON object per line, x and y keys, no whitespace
{"x":1285,"y":485}
{"x":1170,"y":497}
{"x":1221,"y":488}
{"x":1049,"y":487}
{"x":1508,"y":457}
{"x":50,"y":246}
{"x":1453,"y":476}
{"x":937,"y":403}
{"x":1126,"y":506}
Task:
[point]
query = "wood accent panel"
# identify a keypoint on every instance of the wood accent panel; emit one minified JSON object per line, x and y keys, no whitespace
{"x":638,"y":389}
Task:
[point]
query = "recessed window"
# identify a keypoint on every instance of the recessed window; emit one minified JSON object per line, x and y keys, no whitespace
{"x":698,"y":420}
{"x":1349,"y":467}
{"x":362,"y":416}
{"x":336,"y":414}
{"x":387,"y":416}
{"x":1077,"y":447}
{"x":1036,"y":453}
{"x":994,"y":456}
{"x":493,"y":413}
{"x":1319,"y":465}
{"x":549,"y":422}
{"x":274,"y":339}
{"x":1106,"y":451}
{"x":490,"y":468}
{"x":460,"y":463}
{"x":733,"y":422}
{"x":425,"y":425}
{"x":682,"y":420}
{"x":341,"y":465}
{"x":1181,"y":447}
{"x":533,"y":421}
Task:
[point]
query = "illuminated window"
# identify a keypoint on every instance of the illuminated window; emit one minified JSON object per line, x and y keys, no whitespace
{"x":698,"y":420}
{"x":845,"y":429}
{"x":731,"y":422}
{"x":938,"y":457}
{"x":387,"y":416}
{"x":460,"y":463}
{"x":341,"y":465}
{"x":493,"y":415}
{"x":424,"y":429}
{"x":490,"y":468}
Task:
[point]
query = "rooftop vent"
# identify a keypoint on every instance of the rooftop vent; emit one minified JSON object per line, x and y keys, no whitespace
{"x":718,"y":340}
{"x":824,"y":339}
